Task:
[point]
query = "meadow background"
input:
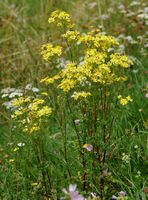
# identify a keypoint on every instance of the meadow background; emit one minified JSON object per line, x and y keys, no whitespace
{"x":24,"y":28}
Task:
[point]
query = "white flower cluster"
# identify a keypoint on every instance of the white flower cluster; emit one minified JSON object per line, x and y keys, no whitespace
{"x":13,"y":93}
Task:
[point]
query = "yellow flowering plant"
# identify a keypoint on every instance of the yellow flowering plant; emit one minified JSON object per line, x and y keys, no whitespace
{"x":30,"y":114}
{"x":90,"y":83}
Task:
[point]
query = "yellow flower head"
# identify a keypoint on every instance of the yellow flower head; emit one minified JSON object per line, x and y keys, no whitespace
{"x":124,"y":101}
{"x":11,"y":160}
{"x":49,"y":52}
{"x":34,"y":184}
{"x":61,"y":19}
{"x":48,"y":80}
{"x":120,"y":60}
{"x":72,"y":36}
{"x":129,"y":98}
{"x":81,"y":95}
{"x":97,"y":40}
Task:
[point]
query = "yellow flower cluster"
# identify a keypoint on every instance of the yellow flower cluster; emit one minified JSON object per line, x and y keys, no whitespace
{"x":70,"y":77}
{"x":119,"y":60}
{"x":92,"y":56}
{"x":48,"y":81}
{"x":19,"y":101}
{"x":72,"y":36}
{"x":124,"y":101}
{"x":61,"y":19}
{"x":98,"y":66}
{"x":30,"y":113}
{"x":81,"y":95}
{"x":49,"y":52}
{"x":96,"y":40}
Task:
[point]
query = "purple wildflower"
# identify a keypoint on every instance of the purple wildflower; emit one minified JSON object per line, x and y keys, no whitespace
{"x":122,"y":193}
{"x":73,"y":193}
{"x":93,"y":194}
{"x":88,"y":147}
{"x":114,"y":197}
